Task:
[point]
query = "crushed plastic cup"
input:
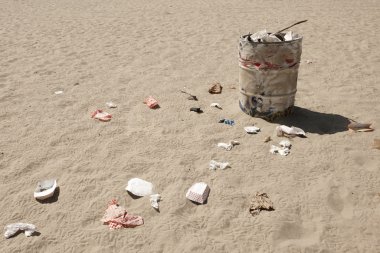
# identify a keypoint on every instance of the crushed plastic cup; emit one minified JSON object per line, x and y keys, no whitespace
{"x":101,"y":115}
{"x":252,"y":129}
{"x":45,"y":189}
{"x":198,"y":192}
{"x":214,"y":165}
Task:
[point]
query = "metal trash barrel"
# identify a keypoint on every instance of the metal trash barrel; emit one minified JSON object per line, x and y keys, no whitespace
{"x":268,"y":74}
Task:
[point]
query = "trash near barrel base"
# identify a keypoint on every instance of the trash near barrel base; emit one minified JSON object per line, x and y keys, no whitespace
{"x":268,"y":73}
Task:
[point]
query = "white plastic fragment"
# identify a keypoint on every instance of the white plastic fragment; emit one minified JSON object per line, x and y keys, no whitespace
{"x":252,"y":129}
{"x":288,"y":36}
{"x":279,"y":150}
{"x":12,"y":229}
{"x":228,"y":146}
{"x":139,"y":187}
{"x":45,"y":189}
{"x":198,"y":192}
{"x":289,"y":131}
{"x":154,"y":199}
{"x":285,"y":144}
{"x":111,"y":105}
{"x":309,"y":61}
{"x":216,"y":105}
{"x":58,"y":92}
{"x":218,"y":165}
{"x":259,"y":35}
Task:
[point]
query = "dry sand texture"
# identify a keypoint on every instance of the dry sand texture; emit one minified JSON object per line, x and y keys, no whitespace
{"x":326,"y":192}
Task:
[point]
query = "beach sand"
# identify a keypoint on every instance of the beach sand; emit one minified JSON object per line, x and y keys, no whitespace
{"x":326,"y":193}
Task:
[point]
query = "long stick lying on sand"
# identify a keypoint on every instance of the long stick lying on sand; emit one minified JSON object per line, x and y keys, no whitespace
{"x":299,"y":22}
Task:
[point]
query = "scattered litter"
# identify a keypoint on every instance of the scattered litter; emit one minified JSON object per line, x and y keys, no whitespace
{"x":289,"y":131}
{"x":376,"y":143}
{"x":218,"y":165}
{"x":308,"y":61}
{"x":45,"y":189}
{"x":228,"y":146}
{"x":252,"y":129}
{"x":267,"y":139}
{"x":101,"y":115}
{"x":216,"y":105}
{"x":151,"y":102}
{"x":154,"y":199}
{"x":198,"y":192}
{"x":190,"y":97}
{"x":12,"y":229}
{"x":260,"y":202}
{"x":139,"y":187}
{"x":117,"y":217}
{"x":196,"y":109}
{"x":283,"y":150}
{"x":58,"y":92}
{"x":111,"y":105}
{"x":227,"y":121}
{"x":215,"y":88}
{"x":360,"y":127}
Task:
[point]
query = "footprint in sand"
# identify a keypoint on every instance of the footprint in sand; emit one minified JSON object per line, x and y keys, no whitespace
{"x":339,"y":200}
{"x":297,"y":234}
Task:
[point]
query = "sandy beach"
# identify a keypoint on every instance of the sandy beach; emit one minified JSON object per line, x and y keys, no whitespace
{"x":326,"y":192}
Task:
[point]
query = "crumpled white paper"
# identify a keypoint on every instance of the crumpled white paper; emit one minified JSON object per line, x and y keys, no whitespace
{"x":228,"y":146}
{"x":218,"y":165}
{"x":12,"y":229}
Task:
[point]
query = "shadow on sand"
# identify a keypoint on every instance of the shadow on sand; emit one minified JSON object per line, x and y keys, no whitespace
{"x":315,"y":122}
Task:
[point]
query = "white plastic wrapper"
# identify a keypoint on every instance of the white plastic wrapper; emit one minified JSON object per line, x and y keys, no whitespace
{"x":279,"y":150}
{"x":228,"y":146}
{"x":218,"y":165}
{"x":111,"y":105}
{"x":216,"y":105}
{"x":285,"y":144}
{"x":142,"y":188}
{"x":12,"y":229}
{"x":252,"y":129}
{"x":154,"y":199}
{"x":290,"y":131}
{"x":139,"y":187}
